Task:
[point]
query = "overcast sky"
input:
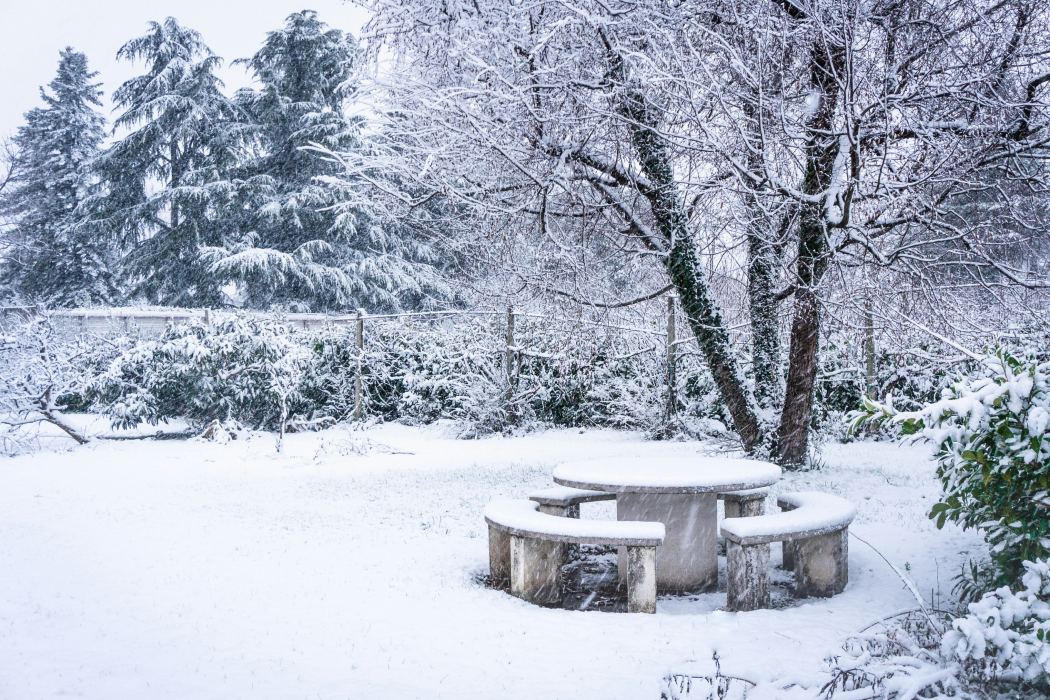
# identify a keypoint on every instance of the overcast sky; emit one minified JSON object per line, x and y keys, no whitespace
{"x":32,"y":32}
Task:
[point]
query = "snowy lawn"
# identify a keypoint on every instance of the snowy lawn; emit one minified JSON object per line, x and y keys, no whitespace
{"x":347,"y":567}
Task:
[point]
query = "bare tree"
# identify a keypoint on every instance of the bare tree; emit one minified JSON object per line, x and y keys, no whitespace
{"x":37,"y":371}
{"x":8,"y":176}
{"x":684,"y":142}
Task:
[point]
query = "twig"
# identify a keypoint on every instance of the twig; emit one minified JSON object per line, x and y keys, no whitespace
{"x":908,"y":584}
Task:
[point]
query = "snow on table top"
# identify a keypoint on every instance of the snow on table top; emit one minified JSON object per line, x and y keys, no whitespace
{"x":523,"y":518}
{"x":560,"y":495}
{"x":680,"y":474}
{"x":814,"y":514}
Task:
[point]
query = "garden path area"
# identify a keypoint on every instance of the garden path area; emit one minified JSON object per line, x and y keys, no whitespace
{"x":348,"y":568}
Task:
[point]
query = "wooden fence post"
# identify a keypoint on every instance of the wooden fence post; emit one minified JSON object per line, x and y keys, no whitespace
{"x":510,"y":351}
{"x":869,"y":352}
{"x":670,"y":360}
{"x":360,"y":337}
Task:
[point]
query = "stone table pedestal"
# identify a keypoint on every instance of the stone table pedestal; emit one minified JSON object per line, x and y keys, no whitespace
{"x":688,"y":558}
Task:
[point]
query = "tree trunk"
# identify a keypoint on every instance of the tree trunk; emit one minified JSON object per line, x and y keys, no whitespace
{"x":762,"y":272}
{"x":47,"y":410}
{"x":685,"y":269}
{"x":176,"y":180}
{"x":827,"y":61}
{"x":763,"y":265}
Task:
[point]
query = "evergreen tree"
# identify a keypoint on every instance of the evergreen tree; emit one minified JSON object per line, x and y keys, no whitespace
{"x":302,"y":250}
{"x":50,"y":257}
{"x":166,"y":188}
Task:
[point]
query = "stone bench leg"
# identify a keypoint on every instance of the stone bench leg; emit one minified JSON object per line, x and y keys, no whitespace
{"x":748,"y":574}
{"x":822,"y":565}
{"x":745,"y":509}
{"x":787,"y":548}
{"x":570,"y":551}
{"x":641,"y":579}
{"x":572,"y":511}
{"x":499,"y":554}
{"x":535,"y":570}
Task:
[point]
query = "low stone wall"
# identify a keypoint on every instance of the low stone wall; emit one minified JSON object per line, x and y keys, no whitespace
{"x":150,"y":321}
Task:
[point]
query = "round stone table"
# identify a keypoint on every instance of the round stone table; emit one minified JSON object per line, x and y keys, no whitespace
{"x":682,"y":493}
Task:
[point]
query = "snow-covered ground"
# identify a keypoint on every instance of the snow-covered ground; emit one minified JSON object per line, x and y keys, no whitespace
{"x":347,"y":568}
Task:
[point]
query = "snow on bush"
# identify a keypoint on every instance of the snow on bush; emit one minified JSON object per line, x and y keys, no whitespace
{"x":905,"y":364}
{"x":40,"y":374}
{"x":1006,"y":635}
{"x":999,"y":650}
{"x":259,"y":372}
{"x":556,"y":377}
{"x":419,"y":373}
{"x":241,"y":368}
{"x":992,"y":443}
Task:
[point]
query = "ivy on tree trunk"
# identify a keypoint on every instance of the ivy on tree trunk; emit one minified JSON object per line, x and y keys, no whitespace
{"x":686,"y":272}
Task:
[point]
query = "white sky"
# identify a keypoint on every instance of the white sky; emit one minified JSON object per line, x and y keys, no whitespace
{"x":32,"y":33}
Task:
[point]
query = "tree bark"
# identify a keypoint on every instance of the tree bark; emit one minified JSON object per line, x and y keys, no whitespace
{"x":47,"y":410}
{"x":827,"y":61}
{"x":765,"y":321}
{"x":763,"y":264}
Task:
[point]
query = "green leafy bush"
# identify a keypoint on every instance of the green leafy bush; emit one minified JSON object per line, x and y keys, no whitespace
{"x":242,"y":368}
{"x":990,"y":430}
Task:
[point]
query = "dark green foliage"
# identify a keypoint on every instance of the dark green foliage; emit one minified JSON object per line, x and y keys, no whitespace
{"x":239,"y":369}
{"x":298,"y":246}
{"x":185,"y":135}
{"x":201,"y":191}
{"x":993,"y":456}
{"x":415,"y":373}
{"x":51,"y":258}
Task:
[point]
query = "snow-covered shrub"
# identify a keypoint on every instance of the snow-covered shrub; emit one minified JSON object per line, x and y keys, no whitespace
{"x":894,"y":658}
{"x":704,"y":682}
{"x":40,"y":372}
{"x":914,"y":374}
{"x":1006,"y":635}
{"x":418,"y":373}
{"x":992,"y":443}
{"x":243,"y":368}
{"x":247,"y":368}
{"x":909,"y":655}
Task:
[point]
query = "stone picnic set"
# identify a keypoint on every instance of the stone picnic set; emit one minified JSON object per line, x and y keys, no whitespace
{"x":666,"y":531}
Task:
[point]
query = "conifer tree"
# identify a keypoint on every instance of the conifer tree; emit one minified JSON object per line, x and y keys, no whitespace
{"x":51,"y":257}
{"x":300,"y":249}
{"x":184,"y":137}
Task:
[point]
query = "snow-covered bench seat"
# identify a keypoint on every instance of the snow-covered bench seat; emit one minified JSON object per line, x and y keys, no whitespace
{"x":565,"y":501}
{"x":526,"y":546}
{"x":744,"y":504}
{"x":814,"y":524}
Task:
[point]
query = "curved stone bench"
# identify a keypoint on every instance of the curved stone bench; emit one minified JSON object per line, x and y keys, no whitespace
{"x":815,"y":526}
{"x":744,"y":504}
{"x":526,"y":546}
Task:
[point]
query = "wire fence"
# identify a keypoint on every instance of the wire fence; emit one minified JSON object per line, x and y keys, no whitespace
{"x":157,"y":320}
{"x":153,"y":322}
